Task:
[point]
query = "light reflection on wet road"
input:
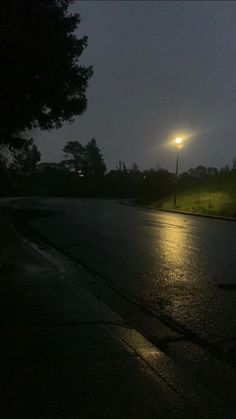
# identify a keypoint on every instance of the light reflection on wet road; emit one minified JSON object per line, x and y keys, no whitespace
{"x":169,"y":261}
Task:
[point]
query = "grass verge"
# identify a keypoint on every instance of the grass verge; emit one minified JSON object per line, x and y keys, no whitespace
{"x":212,"y":203}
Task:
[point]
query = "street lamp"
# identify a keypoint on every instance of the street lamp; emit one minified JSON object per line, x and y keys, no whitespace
{"x":179,"y":145}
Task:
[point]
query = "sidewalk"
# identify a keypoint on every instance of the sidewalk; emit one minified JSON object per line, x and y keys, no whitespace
{"x":64,"y":354}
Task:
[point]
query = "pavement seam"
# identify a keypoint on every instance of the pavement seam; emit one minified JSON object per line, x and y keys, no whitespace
{"x":172,"y":375}
{"x":138,"y":354}
{"x":175,"y":380}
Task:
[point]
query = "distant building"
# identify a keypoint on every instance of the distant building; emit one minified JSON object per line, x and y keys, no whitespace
{"x":41,"y":167}
{"x":64,"y":165}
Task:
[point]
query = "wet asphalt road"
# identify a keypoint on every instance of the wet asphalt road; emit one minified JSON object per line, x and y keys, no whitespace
{"x":171,"y":263}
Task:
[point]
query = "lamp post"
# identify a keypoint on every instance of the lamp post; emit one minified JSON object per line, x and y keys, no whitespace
{"x":179,"y":145}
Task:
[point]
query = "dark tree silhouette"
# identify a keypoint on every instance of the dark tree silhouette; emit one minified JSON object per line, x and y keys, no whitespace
{"x":234,"y":163}
{"x":86,"y":160}
{"x":212,"y":171}
{"x":26,"y":159}
{"x":94,"y":161}
{"x":135,"y":168}
{"x":42,"y":82}
{"x":75,"y":151}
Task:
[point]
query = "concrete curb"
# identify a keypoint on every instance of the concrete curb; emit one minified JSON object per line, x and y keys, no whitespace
{"x":217,"y":217}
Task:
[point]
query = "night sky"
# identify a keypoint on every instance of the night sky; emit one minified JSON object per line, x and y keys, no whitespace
{"x":161,"y":70}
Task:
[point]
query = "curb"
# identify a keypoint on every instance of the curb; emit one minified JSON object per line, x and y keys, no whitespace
{"x":195,"y":214}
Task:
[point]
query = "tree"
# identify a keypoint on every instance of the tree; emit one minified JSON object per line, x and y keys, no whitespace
{"x":86,"y":160}
{"x":198,"y":171}
{"x":25,"y":160}
{"x":157,"y":184}
{"x":234,"y":163}
{"x":225,"y":169}
{"x":94,"y":161}
{"x":134,"y":168}
{"x":76,"y":152}
{"x":121,"y":167}
{"x":212,"y":171}
{"x":42,"y":81}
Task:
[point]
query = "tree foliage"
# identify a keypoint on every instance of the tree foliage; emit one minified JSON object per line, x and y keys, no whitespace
{"x":75,"y":151}
{"x":26,"y":159}
{"x":94,"y":161}
{"x":234,"y":163}
{"x":43,"y":83}
{"x":86,"y":160}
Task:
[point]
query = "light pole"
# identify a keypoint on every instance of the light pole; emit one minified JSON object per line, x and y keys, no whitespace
{"x":179,"y":145}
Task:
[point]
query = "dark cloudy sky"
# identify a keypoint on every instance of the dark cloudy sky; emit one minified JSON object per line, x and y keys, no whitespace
{"x":161,"y":69}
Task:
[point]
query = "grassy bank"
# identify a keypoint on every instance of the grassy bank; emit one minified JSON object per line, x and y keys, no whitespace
{"x":214,"y":203}
{"x":215,"y":195}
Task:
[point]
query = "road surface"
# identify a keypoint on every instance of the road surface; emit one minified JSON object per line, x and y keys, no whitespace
{"x":155,"y":265}
{"x":169,"y":262}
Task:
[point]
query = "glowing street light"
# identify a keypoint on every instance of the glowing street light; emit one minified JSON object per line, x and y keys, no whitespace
{"x":179,"y":145}
{"x":178,"y":141}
